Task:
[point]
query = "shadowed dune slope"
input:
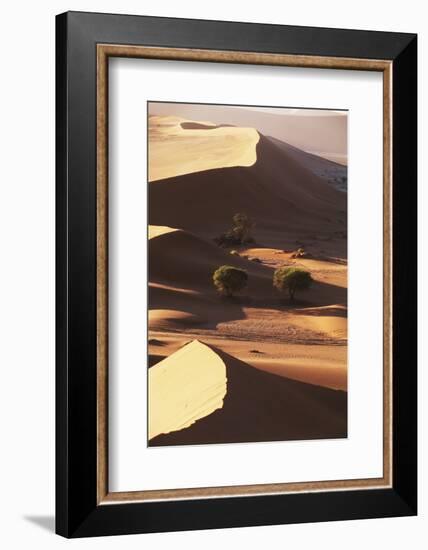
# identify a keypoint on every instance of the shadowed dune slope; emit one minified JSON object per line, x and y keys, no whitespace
{"x":320,"y":166}
{"x":260,"y":406}
{"x":181,"y":291}
{"x":277,"y":191}
{"x":188,"y":261}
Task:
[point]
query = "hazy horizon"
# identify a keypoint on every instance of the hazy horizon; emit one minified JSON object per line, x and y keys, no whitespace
{"x":318,"y":131}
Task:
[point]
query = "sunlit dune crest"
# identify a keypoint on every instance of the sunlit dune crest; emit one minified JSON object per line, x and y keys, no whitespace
{"x":237,"y":403}
{"x":166,"y":318}
{"x":308,"y":129}
{"x":158,"y":230}
{"x":179,"y":146}
{"x":333,"y":326}
{"x":185,"y":387}
{"x":330,"y":320}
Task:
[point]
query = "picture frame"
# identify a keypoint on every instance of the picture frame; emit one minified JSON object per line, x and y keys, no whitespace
{"x":84,"y":44}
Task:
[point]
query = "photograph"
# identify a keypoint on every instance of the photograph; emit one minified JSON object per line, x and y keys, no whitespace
{"x":212,"y":264}
{"x":247,"y":258}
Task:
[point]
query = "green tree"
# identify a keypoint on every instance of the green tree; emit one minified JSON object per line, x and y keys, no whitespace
{"x":292,"y":280}
{"x":228,"y":279}
{"x":242,"y":227}
{"x":240,"y":233}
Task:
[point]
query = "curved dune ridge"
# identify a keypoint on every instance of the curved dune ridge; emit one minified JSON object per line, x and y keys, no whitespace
{"x":201,"y":395}
{"x":178,"y":147}
{"x":334,"y":327}
{"x":172,"y":318}
{"x":331,"y":320}
{"x":184,"y":261}
{"x":273,"y":187}
{"x":187,"y":261}
{"x":185,"y":387}
{"x":159,"y":230}
{"x":310,"y":132}
{"x":182,"y":294}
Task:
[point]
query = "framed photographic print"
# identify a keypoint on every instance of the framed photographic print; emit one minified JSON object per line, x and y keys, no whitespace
{"x":236,"y":274}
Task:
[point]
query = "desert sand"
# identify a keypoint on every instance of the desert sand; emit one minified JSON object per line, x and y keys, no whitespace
{"x":219,"y":399}
{"x":323,"y":133}
{"x":178,"y":147}
{"x":187,"y":386}
{"x":299,"y":347}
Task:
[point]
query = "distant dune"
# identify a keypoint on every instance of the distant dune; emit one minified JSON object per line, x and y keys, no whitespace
{"x":331,"y":167}
{"x":324,"y":132}
{"x":202,"y":395}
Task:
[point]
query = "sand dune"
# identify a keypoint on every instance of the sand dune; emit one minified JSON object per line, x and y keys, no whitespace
{"x":181,"y":260}
{"x":331,"y":320}
{"x":159,"y":230}
{"x":315,"y":131}
{"x":203,"y":395}
{"x":335,"y":173}
{"x":333,"y":326}
{"x":188,"y":261}
{"x":321,"y":365}
{"x":167,"y":318}
{"x":278,"y":192}
{"x":182,"y":295}
{"x":185,"y":387}
{"x":181,"y":147}
{"x":181,"y":291}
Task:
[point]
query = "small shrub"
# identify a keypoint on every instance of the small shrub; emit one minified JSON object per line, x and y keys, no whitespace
{"x":242,"y":227}
{"x":301,"y":253}
{"x":292,"y":280}
{"x":229,"y":280}
{"x":240,"y":233}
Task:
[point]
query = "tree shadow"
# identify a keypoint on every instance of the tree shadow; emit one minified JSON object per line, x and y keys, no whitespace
{"x":207,"y":309}
{"x":210,"y":309}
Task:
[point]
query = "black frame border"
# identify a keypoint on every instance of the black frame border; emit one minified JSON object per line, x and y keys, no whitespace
{"x":77,"y":512}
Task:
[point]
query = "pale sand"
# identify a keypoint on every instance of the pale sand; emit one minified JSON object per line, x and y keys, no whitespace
{"x":175,"y":150}
{"x":159,"y":230}
{"x":334,"y":326}
{"x":185,"y":387}
{"x":216,"y":398}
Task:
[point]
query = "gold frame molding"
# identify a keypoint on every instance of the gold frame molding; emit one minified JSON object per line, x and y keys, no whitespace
{"x":104,"y":52}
